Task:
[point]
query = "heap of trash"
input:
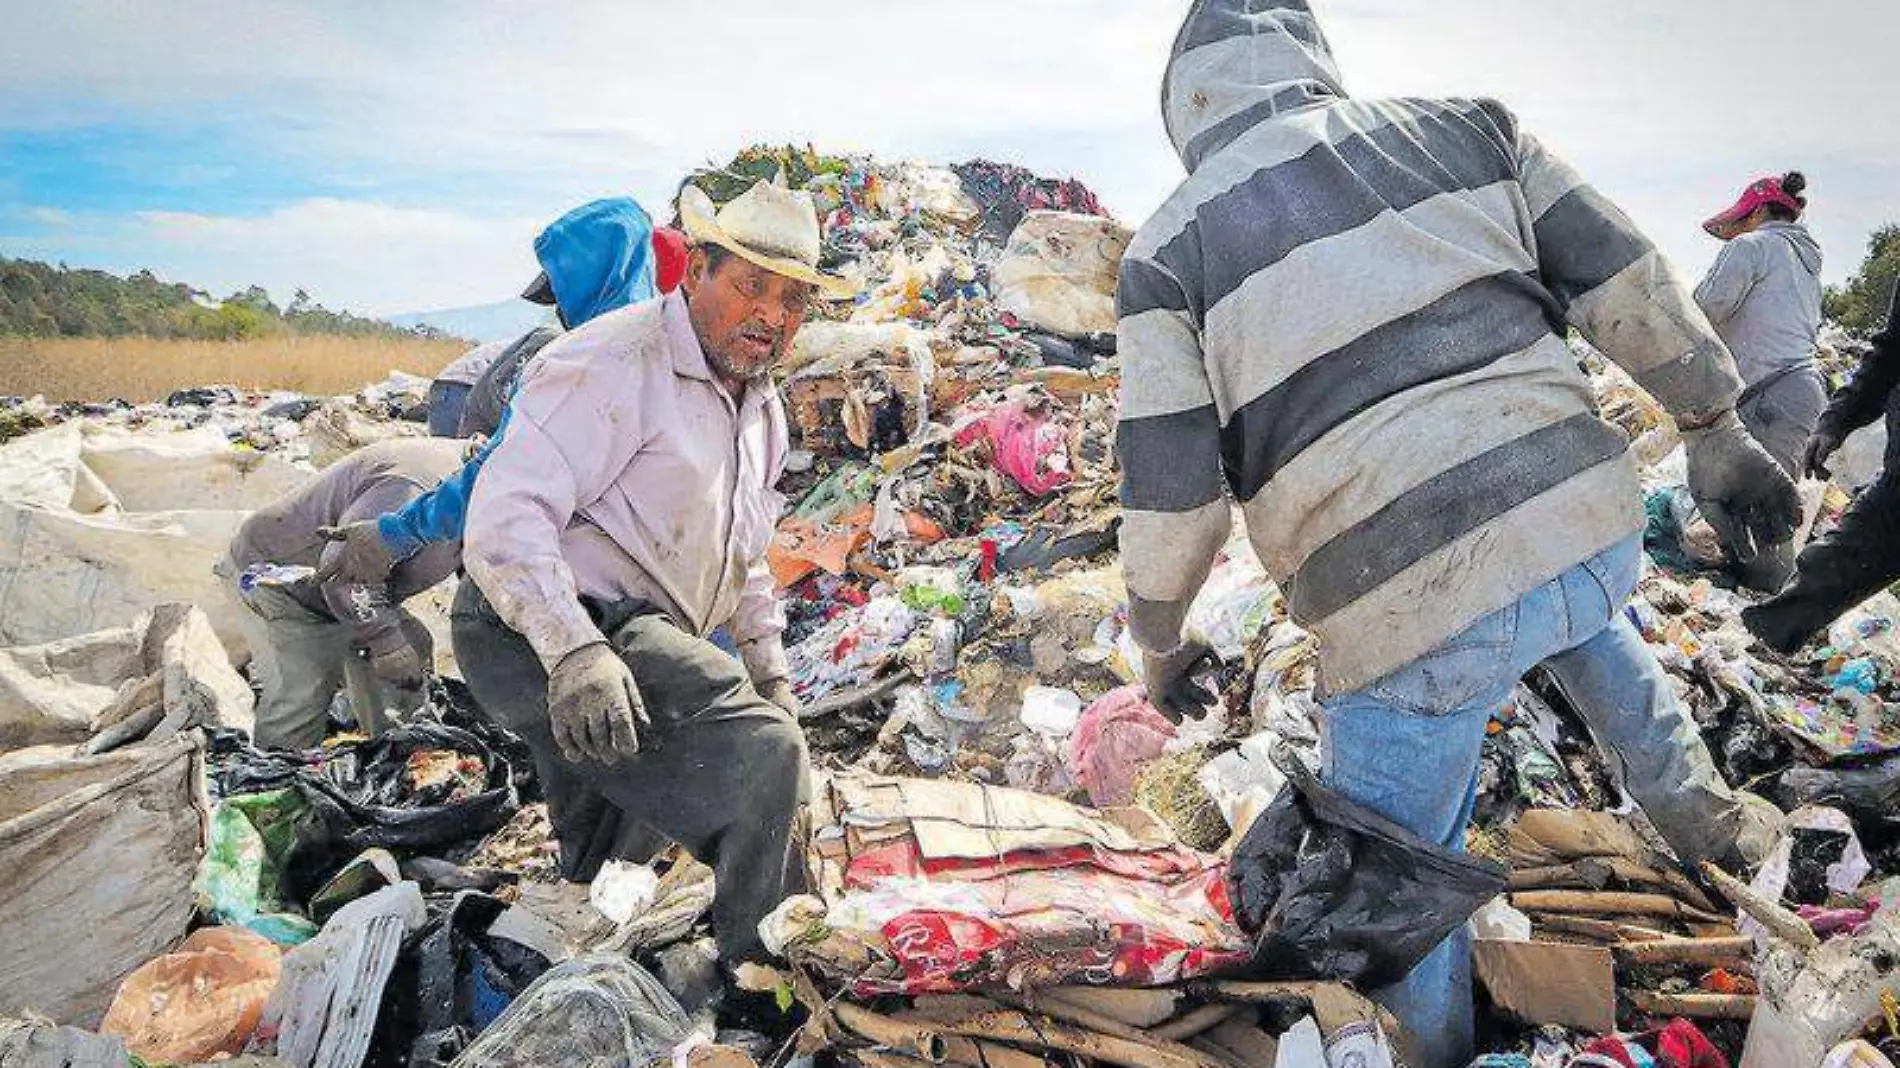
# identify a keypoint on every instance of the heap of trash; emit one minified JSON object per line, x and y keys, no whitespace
{"x":1014,"y":859}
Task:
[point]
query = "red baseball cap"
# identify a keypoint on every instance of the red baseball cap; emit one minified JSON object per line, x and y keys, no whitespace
{"x":1761,"y":192}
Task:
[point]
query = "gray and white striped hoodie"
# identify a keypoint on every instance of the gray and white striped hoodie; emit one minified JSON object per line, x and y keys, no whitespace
{"x":1350,"y":318}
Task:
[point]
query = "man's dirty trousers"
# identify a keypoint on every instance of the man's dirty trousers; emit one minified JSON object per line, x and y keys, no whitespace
{"x":301,"y":658}
{"x":1781,"y":414}
{"x":1408,"y":747}
{"x":721,"y":770}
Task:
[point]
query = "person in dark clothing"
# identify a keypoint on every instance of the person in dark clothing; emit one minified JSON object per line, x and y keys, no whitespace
{"x":595,"y":261}
{"x":597,"y":258}
{"x":311,"y":639}
{"x":1862,"y":556}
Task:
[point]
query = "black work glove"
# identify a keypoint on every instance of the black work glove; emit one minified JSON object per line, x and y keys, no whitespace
{"x":1169,"y":677}
{"x":364,"y":559}
{"x":1824,"y":444}
{"x":401,"y":666}
{"x":594,"y":707}
{"x":1749,"y":500}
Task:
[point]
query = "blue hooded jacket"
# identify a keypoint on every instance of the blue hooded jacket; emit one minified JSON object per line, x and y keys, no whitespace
{"x":598,"y":258}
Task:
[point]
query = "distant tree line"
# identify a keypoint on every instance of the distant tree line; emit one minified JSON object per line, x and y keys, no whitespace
{"x":42,"y":300}
{"x":1861,"y":305}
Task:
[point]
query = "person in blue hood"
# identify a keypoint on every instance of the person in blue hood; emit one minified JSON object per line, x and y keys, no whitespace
{"x":596,"y":259}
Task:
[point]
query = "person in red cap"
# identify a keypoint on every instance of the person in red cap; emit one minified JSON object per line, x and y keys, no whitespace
{"x":1763,"y":295}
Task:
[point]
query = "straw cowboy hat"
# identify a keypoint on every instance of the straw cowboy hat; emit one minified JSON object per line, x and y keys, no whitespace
{"x":767,"y":225}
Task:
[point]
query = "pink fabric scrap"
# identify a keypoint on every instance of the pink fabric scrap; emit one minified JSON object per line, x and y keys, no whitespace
{"x":1030,"y":445}
{"x":1117,"y":736}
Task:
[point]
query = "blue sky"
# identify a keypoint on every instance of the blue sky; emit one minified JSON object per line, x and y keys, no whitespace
{"x":400,"y":157}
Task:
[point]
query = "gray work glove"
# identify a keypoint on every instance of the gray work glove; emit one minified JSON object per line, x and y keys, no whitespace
{"x":364,"y":559}
{"x":1741,"y":491}
{"x":1169,"y":677}
{"x":594,"y":707}
{"x":400,"y":666}
{"x":779,"y":692}
{"x":1824,"y":444}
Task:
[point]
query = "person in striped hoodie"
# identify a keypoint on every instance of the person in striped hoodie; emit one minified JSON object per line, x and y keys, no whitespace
{"x":1350,"y":319}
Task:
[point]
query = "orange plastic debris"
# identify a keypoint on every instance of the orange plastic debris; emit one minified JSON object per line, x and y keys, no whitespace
{"x":198,"y":1002}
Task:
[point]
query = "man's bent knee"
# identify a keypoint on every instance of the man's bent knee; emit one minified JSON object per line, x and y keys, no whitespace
{"x":778,"y":751}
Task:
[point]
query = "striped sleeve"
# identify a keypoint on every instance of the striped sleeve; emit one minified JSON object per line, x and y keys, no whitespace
{"x":1175,"y":515}
{"x":1620,"y":292}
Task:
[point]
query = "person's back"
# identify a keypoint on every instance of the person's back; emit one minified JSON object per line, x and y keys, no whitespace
{"x":361,"y":485}
{"x":1377,"y":291}
{"x":1352,"y":318}
{"x":1774,"y":327}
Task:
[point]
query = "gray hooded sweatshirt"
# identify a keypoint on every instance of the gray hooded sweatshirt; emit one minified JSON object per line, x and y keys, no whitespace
{"x":1764,"y":297}
{"x":1350,"y":318}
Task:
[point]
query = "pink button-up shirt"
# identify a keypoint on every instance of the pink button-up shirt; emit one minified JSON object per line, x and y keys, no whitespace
{"x":628,"y":472}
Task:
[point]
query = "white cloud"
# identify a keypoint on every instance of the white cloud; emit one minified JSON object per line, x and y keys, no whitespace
{"x":348,"y":254}
{"x":352,"y":254}
{"x":469,"y":110}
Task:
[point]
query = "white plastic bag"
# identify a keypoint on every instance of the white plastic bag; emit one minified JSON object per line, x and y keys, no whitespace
{"x":1059,"y":272}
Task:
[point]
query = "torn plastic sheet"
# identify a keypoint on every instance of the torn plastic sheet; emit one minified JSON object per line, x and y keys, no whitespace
{"x":1843,"y":876}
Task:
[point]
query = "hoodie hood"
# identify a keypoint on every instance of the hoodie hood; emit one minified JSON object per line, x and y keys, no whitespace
{"x":598,"y":258}
{"x":1238,"y":63}
{"x":1806,"y":248}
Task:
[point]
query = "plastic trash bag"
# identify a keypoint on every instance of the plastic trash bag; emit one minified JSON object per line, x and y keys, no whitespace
{"x":455,"y":978}
{"x":1119,"y":735}
{"x":241,"y":881}
{"x":421,"y":786}
{"x":1871,"y":794}
{"x":199,"y":1002}
{"x":1030,"y":444}
{"x":1331,"y":890}
{"x":1059,"y":272}
{"x":598,"y":1009}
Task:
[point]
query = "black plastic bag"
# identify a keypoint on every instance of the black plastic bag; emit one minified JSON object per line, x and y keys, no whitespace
{"x":368,"y":782}
{"x":1870,"y":794}
{"x":361,"y":797}
{"x":456,"y":707}
{"x":451,"y":982}
{"x":1333,"y":891}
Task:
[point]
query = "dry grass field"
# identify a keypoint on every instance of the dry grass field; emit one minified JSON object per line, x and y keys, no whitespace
{"x":142,"y":369}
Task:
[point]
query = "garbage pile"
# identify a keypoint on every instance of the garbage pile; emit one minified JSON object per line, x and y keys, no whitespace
{"x":1014,"y":859}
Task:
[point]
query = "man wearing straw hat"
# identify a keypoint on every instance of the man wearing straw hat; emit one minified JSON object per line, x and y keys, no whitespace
{"x":623,"y":518}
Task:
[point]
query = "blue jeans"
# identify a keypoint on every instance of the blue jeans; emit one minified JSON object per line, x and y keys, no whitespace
{"x":1408,"y":747}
